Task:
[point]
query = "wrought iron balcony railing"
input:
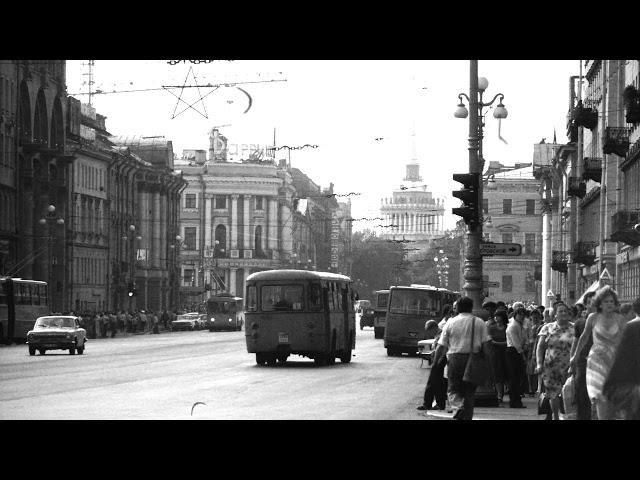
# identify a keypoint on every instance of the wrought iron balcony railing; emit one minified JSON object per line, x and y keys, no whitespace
{"x":616,"y":141}
{"x":585,"y":253}
{"x":576,"y":187}
{"x":585,"y":117}
{"x":623,"y":227}
{"x":559,"y":261}
{"x":592,"y":169}
{"x":631,"y":100}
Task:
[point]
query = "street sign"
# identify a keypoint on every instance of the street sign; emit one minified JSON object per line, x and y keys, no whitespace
{"x":488,"y":249}
{"x":491,"y":284}
{"x":605,"y":277}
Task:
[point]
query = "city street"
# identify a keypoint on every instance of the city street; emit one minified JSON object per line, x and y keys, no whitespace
{"x":165,"y":376}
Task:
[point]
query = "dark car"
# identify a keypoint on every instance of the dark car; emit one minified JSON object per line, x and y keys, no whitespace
{"x":57,"y":332}
{"x":366,"y":316}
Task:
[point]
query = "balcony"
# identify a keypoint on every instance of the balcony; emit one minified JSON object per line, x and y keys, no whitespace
{"x":623,"y":227}
{"x":592,"y":169}
{"x":576,"y":187}
{"x":631,"y":100}
{"x":585,"y":117}
{"x":585,"y":253}
{"x":559,"y":261}
{"x":616,"y":141}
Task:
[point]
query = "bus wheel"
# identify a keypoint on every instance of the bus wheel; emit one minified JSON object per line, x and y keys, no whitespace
{"x":32,"y":350}
{"x":260,"y":359}
{"x":42,"y":350}
{"x":271,"y":359}
{"x":392,"y":352}
{"x":376,"y":332}
{"x":283,"y":358}
{"x":320,"y":360}
{"x":346,"y":355}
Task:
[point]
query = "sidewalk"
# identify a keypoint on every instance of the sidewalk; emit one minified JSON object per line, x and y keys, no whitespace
{"x":495,"y":413}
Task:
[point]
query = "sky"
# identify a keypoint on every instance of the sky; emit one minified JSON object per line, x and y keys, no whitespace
{"x":361,"y":114}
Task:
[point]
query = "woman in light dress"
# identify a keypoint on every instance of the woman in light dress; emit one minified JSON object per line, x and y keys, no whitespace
{"x":605,"y":326}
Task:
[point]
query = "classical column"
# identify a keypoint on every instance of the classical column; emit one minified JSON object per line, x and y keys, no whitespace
{"x":232,"y":281}
{"x":207,"y":220}
{"x":287,"y":230}
{"x":234,"y":221}
{"x":272,"y":236}
{"x":246,"y":223}
{"x":156,"y":229}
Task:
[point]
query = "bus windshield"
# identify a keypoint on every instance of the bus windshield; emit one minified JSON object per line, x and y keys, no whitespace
{"x":414,"y":302}
{"x":281,"y":298}
{"x":383,"y":300}
{"x":222,"y":306}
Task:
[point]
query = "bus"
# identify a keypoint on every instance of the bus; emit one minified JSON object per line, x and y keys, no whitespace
{"x":408,"y":310}
{"x":380,"y":313}
{"x":300,"y":312}
{"x":21,"y":303}
{"x":224,"y":312}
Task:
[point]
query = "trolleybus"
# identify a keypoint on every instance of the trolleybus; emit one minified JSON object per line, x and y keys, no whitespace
{"x":224,"y":312}
{"x":408,"y":310}
{"x":299,"y":312}
{"x":21,"y":303}
{"x":380,"y":313}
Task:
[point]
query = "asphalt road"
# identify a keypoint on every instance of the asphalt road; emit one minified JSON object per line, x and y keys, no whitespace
{"x":163,"y":376}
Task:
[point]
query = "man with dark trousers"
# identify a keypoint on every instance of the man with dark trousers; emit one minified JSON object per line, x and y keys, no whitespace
{"x":516,"y":358}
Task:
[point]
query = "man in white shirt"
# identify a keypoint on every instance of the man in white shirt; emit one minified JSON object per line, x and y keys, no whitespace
{"x":455,"y":342}
{"x":516,"y":357}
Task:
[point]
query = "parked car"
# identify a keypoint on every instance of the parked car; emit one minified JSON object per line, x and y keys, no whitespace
{"x":57,"y":332}
{"x":189,"y":321}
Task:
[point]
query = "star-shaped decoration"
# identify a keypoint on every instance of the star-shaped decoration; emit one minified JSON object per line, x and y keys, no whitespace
{"x":190,"y":105}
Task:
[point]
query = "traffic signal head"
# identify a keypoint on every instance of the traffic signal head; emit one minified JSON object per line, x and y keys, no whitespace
{"x":131,"y":289}
{"x":469,"y":196}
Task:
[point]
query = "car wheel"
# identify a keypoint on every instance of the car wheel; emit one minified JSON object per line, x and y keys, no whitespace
{"x":32,"y":350}
{"x":72,"y":351}
{"x":80,"y":349}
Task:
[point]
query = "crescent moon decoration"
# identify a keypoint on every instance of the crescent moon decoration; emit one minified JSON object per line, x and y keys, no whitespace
{"x":248,"y":96}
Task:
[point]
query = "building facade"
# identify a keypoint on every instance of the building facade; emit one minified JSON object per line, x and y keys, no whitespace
{"x":511,"y":212}
{"x":237,"y":218}
{"x":589,"y":186}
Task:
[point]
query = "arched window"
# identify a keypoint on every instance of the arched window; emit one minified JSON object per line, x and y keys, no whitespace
{"x":25,"y":114}
{"x":57,"y":125}
{"x":221,"y":239}
{"x":40,"y":121}
{"x":258,"y":240}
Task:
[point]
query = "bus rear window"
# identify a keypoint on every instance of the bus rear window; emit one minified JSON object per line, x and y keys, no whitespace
{"x":383,"y":299}
{"x":315,"y":297}
{"x":414,"y":302}
{"x":252,"y":299}
{"x":281,"y":298}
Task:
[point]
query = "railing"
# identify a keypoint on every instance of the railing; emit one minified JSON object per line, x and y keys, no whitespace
{"x":576,"y":187}
{"x":623,"y":227}
{"x":592,"y":169}
{"x":585,"y":253}
{"x":616,"y":141}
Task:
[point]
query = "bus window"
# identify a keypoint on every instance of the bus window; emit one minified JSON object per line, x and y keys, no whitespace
{"x":4,"y":293}
{"x":285,"y":298}
{"x":35,"y":294}
{"x":252,"y":300}
{"x":315,"y":297}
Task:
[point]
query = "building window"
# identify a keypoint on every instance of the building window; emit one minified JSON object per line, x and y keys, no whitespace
{"x":529,"y":243}
{"x":530,"y":283}
{"x":257,"y":244}
{"x":221,"y":201}
{"x":190,"y":201}
{"x":259,"y":203}
{"x":507,"y":283}
{"x":531,"y":207}
{"x":485,"y":205}
{"x":506,"y":206}
{"x":189,"y":276}
{"x":190,"y":238}
{"x":507,"y":238}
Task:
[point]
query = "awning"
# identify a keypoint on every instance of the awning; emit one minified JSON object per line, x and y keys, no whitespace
{"x":594,"y":286}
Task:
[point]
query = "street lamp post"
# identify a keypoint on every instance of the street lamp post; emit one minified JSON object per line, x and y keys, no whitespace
{"x":175,"y":248}
{"x":473,"y":260}
{"x":130,"y":237}
{"x":52,"y":218}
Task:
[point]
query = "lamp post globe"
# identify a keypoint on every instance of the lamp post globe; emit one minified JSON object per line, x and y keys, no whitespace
{"x":500,"y":111}
{"x":461,"y":111}
{"x":51,"y":208}
{"x":483,"y":84}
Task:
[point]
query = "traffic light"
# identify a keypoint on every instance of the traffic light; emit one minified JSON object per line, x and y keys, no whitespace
{"x":132,"y":289}
{"x":469,"y":195}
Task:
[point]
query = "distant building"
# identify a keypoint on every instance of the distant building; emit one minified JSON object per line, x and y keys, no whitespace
{"x":511,"y":214}
{"x":411,"y":213}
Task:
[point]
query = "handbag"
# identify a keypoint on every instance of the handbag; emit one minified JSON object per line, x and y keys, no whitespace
{"x":477,"y":368}
{"x":568,"y":396}
{"x":544,"y":405}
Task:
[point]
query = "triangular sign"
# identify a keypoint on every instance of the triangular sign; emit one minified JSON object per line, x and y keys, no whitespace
{"x":550,"y":294}
{"x":605,"y":275}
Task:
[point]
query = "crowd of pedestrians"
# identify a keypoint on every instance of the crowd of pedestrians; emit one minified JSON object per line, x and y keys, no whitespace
{"x":580,"y":361}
